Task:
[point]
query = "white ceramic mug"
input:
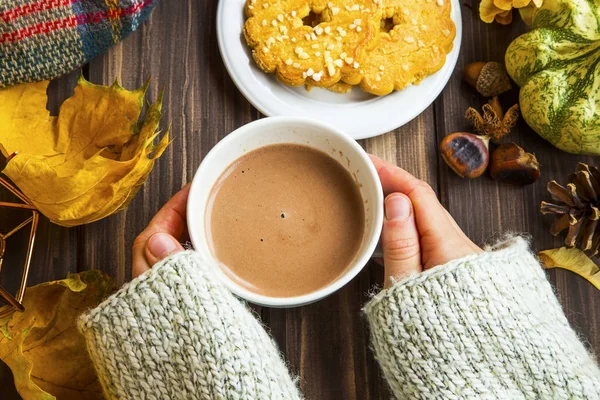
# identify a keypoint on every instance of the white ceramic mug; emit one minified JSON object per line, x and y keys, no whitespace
{"x":293,"y":130}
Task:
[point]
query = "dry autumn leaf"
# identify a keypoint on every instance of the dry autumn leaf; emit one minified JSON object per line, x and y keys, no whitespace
{"x":501,"y":10}
{"x":88,"y":162}
{"x":574,"y":260}
{"x":42,"y":345}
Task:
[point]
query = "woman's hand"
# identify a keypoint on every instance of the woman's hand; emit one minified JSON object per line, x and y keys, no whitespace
{"x":162,"y":236}
{"x":418,"y":233}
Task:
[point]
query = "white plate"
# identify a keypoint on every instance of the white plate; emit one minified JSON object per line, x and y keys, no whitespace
{"x":358,"y":114}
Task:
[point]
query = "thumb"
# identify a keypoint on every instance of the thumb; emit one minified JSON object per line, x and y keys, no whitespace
{"x":161,"y":245}
{"x":400,"y":238}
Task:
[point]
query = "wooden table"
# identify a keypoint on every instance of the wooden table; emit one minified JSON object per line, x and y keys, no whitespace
{"x":325,"y":343}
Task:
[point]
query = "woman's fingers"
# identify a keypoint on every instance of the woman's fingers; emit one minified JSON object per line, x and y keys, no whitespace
{"x":159,"y":246}
{"x":157,"y":240}
{"x":430,"y":215}
{"x":400,"y":239}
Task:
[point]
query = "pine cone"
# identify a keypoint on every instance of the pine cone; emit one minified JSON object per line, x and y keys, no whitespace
{"x":577,"y":208}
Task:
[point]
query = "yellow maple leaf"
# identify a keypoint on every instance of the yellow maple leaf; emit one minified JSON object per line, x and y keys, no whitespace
{"x":574,"y":260}
{"x":42,"y":345}
{"x":501,"y":10}
{"x":88,"y":162}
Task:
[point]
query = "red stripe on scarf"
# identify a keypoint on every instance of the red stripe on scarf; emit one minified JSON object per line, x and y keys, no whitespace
{"x":69,"y":22}
{"x":31,"y":8}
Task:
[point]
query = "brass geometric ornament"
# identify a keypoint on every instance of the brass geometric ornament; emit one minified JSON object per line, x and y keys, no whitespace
{"x":30,"y":223}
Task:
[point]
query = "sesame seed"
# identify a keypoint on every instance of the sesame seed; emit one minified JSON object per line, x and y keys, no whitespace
{"x":343,"y":33}
{"x":349,"y":60}
{"x":265,"y":49}
{"x":331,"y":46}
{"x":309,"y":72}
{"x":351,"y":26}
{"x":264,"y":22}
{"x":348,"y":8}
{"x":307,"y":36}
{"x":358,"y":29}
{"x":378,"y":78}
{"x":296,"y":65}
{"x":355,"y":7}
{"x":356,"y":65}
{"x":327,"y":29}
{"x":279,"y":38}
{"x":338,"y":63}
{"x":318,"y":53}
{"x":358,"y":21}
{"x":424,"y":27}
{"x":283,"y":29}
{"x":406,"y":12}
{"x":327,"y":54}
{"x":319,"y":30}
{"x":270,"y":41}
{"x":289,"y":61}
{"x":413,"y":21}
{"x":313,"y":36}
{"x":405,"y":67}
{"x":381,"y":68}
{"x":298,"y":50}
{"x":303,"y":56}
{"x":435,"y":48}
{"x":274,"y":23}
{"x":280,"y":17}
{"x":293,"y":40}
{"x":330,"y":4}
{"x":266,"y":5}
{"x":250,"y":7}
{"x":338,"y":38}
{"x":445,"y":32}
{"x":343,"y":55}
{"x":335,"y":10}
{"x":420,"y":43}
{"x":440,"y":3}
{"x":293,"y":13}
{"x":315,"y":46}
{"x":409,"y":39}
{"x":317,"y":76}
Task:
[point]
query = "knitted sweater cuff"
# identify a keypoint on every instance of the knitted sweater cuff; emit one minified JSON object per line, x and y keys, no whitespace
{"x":176,"y":332}
{"x":486,"y":325}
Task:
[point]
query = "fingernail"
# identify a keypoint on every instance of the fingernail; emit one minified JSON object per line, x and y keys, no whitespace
{"x":397,"y":208}
{"x":161,"y":245}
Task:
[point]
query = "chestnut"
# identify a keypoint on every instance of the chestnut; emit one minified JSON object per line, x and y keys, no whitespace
{"x":467,"y":154}
{"x":512,"y":164}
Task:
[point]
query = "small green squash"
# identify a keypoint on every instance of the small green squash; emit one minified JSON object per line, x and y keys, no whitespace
{"x":557,"y":66}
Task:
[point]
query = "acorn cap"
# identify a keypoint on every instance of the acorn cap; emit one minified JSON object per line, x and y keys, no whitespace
{"x":489,"y":78}
{"x":493,"y":80}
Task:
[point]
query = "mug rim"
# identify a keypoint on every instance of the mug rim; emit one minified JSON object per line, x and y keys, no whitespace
{"x":353,"y":269}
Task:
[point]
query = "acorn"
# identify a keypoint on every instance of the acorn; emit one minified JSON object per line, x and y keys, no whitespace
{"x":512,"y":164}
{"x":467,"y":154}
{"x":489,"y":78}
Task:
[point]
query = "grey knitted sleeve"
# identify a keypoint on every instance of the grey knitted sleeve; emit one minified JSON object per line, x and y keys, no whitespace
{"x":176,"y":333}
{"x":485,"y":326}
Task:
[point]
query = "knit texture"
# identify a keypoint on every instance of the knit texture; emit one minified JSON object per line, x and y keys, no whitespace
{"x":43,"y":39}
{"x":176,"y":332}
{"x":485,"y":326}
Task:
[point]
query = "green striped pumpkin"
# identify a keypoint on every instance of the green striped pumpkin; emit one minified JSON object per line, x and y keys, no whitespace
{"x":557,"y":66}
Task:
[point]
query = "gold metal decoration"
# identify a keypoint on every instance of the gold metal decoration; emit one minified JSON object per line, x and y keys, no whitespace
{"x":15,"y":302}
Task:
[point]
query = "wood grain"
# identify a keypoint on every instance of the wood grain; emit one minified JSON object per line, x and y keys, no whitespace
{"x":326,"y":344}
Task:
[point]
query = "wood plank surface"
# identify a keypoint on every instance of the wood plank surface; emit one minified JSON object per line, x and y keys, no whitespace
{"x":326,"y":344}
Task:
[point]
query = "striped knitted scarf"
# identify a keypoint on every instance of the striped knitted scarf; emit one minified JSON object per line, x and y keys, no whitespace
{"x":43,"y":39}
